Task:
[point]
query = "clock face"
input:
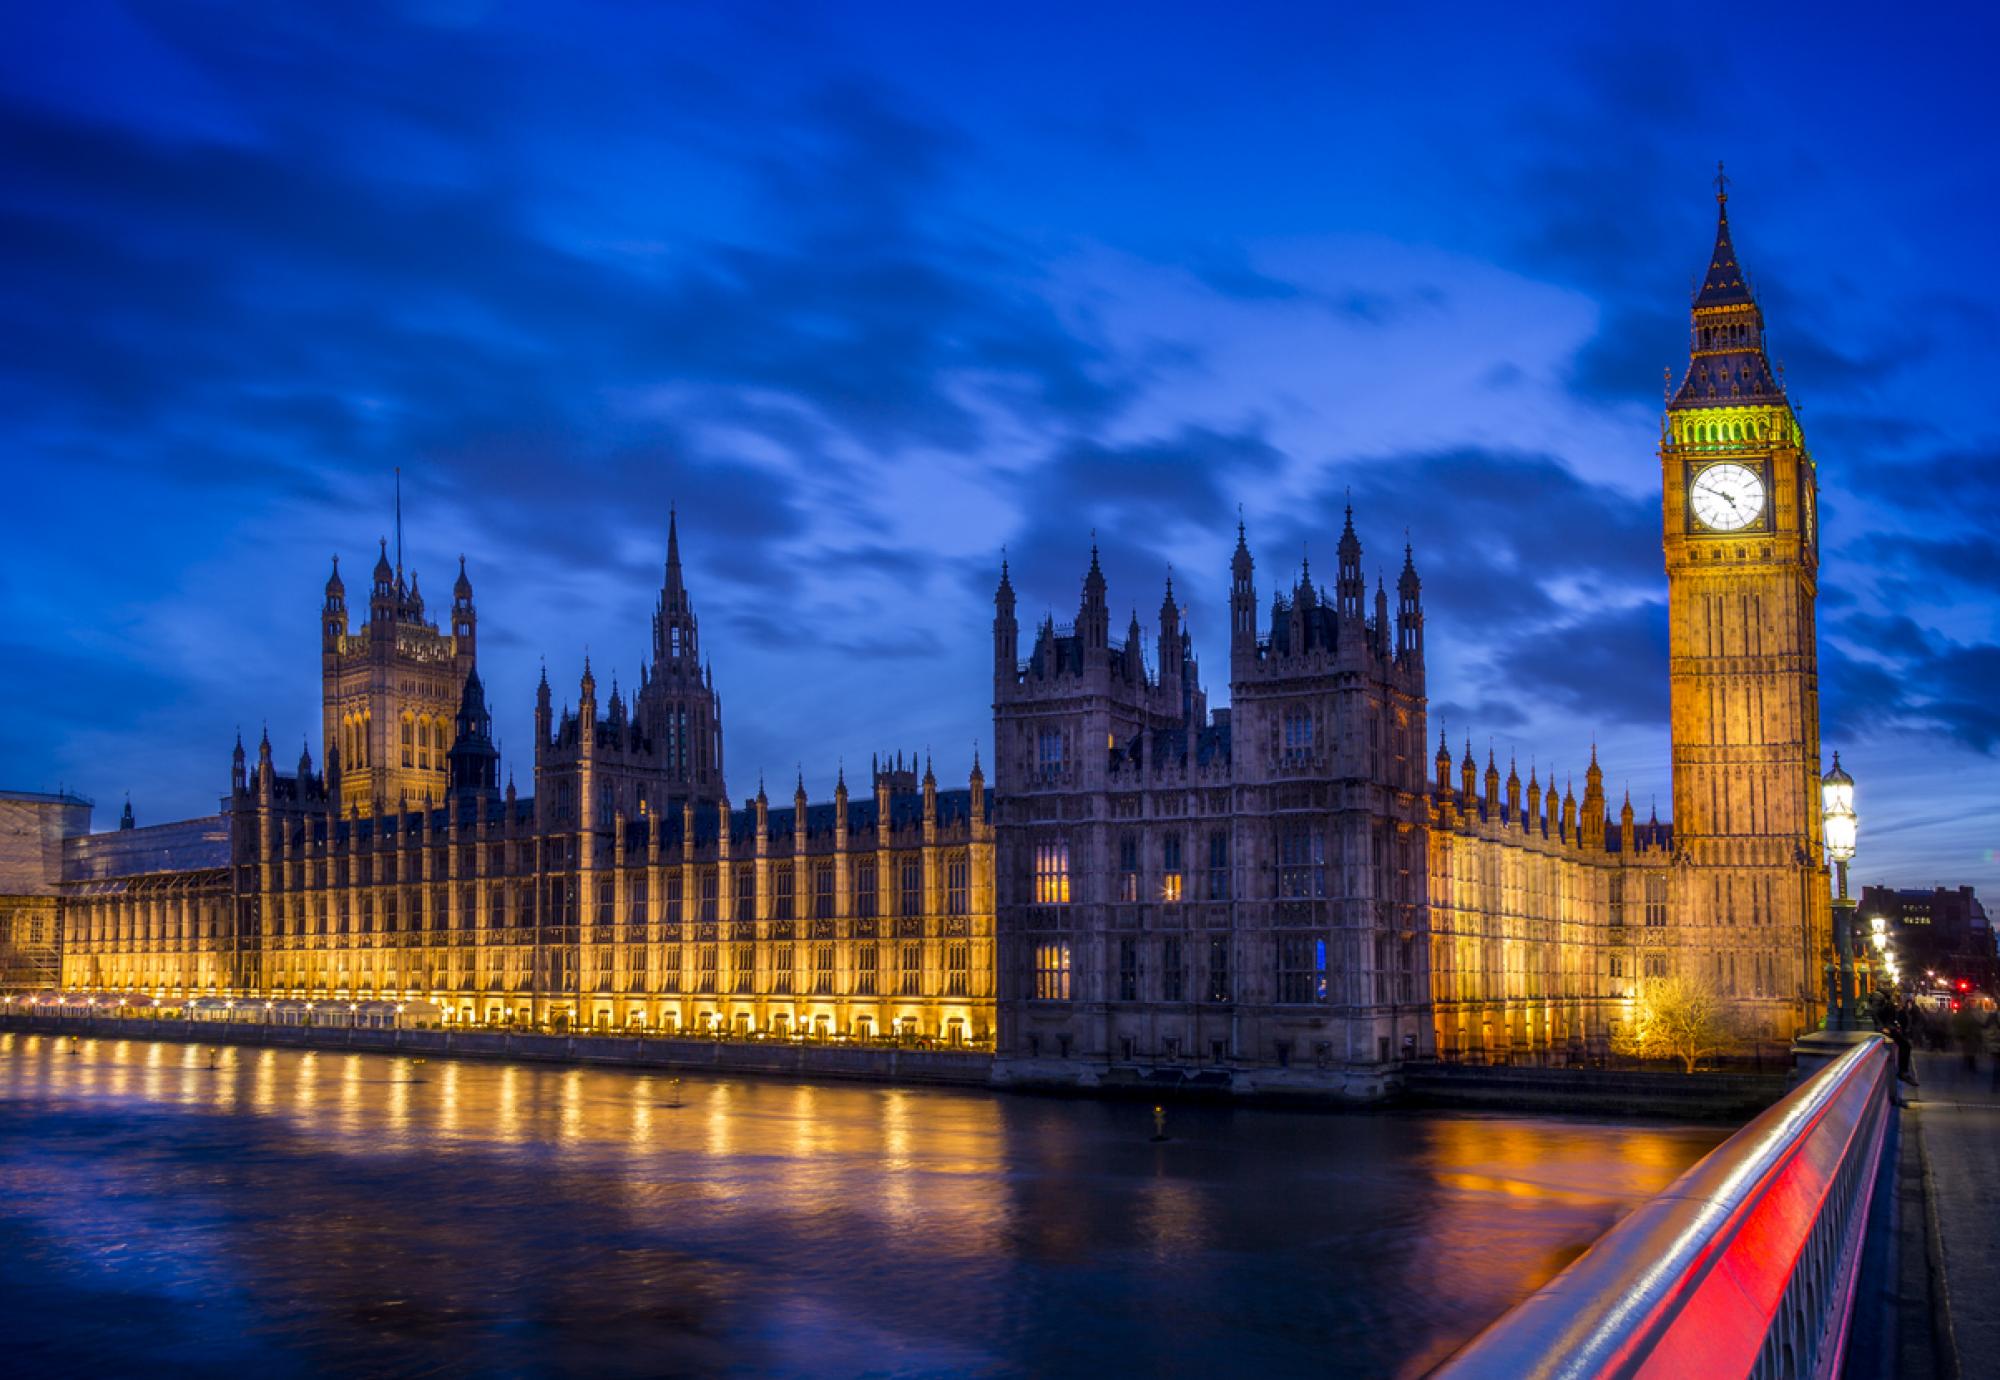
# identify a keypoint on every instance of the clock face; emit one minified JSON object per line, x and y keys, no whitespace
{"x":1727,"y":498}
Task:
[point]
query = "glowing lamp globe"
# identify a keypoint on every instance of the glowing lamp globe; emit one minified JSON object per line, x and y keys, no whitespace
{"x":1836,"y":790}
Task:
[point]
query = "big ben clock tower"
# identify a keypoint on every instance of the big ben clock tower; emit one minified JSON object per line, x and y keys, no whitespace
{"x":1742,"y":552}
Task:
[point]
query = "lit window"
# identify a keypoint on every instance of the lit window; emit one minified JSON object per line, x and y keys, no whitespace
{"x":1052,"y":972}
{"x":1052,"y":873}
{"x":1301,"y":968}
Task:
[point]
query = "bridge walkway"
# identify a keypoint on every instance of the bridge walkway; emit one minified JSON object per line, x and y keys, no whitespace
{"x":1953,"y":1128}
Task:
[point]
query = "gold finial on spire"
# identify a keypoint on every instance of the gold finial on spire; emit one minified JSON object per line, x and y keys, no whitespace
{"x":1721,"y":183}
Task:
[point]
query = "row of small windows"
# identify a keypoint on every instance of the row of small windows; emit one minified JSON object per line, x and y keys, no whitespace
{"x":1301,"y":870}
{"x":781,"y":889}
{"x":425,"y":741}
{"x":1299,"y":970}
{"x":354,"y":737}
{"x":711,"y":969}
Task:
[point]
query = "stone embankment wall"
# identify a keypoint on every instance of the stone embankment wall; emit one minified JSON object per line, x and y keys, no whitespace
{"x":1584,"y":1092}
{"x":1594,"y":1092}
{"x":868,"y":1063}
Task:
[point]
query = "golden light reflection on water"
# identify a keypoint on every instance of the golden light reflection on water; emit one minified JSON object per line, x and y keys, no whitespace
{"x":264,"y":1087}
{"x":867,"y":1202}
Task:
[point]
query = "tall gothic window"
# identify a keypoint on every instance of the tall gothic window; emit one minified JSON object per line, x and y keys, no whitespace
{"x":1128,"y":867}
{"x":1051,"y":754}
{"x":823,"y":891}
{"x":1218,"y":967}
{"x":1052,"y":972}
{"x":1052,"y":873}
{"x":1218,"y":865}
{"x":864,"y":890}
{"x":1298,"y":739}
{"x":956,"y":888}
{"x":912,"y":900}
{"x":1656,"y":900}
{"x":1301,"y":863}
{"x":1301,"y":968}
{"x":1170,"y":868}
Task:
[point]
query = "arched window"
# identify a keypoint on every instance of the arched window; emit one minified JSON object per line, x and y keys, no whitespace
{"x":409,"y":741}
{"x":1298,"y":734}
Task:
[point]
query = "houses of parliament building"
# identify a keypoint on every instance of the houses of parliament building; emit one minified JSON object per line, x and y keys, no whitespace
{"x":1304,"y":888}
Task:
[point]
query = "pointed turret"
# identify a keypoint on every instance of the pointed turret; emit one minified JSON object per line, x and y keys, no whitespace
{"x":1093,"y":618}
{"x":464,"y":619}
{"x":1242,"y":607}
{"x":333,"y":612}
{"x":1593,"y":820}
{"x":473,"y":764}
{"x":1350,"y":589}
{"x":1513,"y":789}
{"x":1409,"y":608}
{"x":1006,"y":635}
{"x":125,"y":820}
{"x":1468,"y":775}
{"x":383,"y":595}
{"x":1443,"y":762}
{"x":1492,"y":784}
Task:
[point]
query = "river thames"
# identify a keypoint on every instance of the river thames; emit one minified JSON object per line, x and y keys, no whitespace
{"x":293,"y":1213}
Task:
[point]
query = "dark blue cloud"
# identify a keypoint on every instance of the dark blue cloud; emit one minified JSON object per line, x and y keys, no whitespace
{"x":871,"y":293}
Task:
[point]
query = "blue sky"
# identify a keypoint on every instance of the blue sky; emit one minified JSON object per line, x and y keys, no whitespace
{"x":871,"y":292}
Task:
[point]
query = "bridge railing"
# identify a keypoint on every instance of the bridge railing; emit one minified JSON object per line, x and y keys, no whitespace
{"x":1745,"y":1265}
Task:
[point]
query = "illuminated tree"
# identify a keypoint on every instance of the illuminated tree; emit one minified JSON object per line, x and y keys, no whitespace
{"x":1676,"y":1017}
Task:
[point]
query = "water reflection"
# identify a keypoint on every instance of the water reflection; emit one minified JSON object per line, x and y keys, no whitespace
{"x":355,"y":1213}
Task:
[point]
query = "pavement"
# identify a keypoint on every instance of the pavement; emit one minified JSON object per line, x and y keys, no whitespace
{"x":1951,"y":1137}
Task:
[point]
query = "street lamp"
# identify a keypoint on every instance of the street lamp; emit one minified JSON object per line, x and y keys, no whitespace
{"x":1836,"y":790}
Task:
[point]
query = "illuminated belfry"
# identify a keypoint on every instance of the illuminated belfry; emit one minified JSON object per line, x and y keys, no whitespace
{"x":1741,"y":542}
{"x":390,"y":689}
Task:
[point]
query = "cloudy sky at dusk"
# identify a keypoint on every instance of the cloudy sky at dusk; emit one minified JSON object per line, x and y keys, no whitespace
{"x":872,"y":292}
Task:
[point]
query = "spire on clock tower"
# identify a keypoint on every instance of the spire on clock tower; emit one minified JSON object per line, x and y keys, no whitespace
{"x":1726,"y":361}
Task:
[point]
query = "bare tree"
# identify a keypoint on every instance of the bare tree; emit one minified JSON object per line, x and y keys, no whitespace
{"x":1677,"y":1017}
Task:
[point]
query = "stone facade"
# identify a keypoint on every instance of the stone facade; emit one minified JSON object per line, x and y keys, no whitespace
{"x":658,"y":906}
{"x":1284,"y":891}
{"x":33,"y":828}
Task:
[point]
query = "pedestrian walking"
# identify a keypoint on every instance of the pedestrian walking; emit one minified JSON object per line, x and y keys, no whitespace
{"x":1966,"y":1033}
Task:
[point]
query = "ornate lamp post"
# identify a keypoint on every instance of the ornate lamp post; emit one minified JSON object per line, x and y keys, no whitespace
{"x":1836,"y":790}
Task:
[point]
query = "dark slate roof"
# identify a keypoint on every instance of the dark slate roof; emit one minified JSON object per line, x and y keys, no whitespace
{"x":1652,"y":834}
{"x":1731,"y":377}
{"x":1724,"y":286}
